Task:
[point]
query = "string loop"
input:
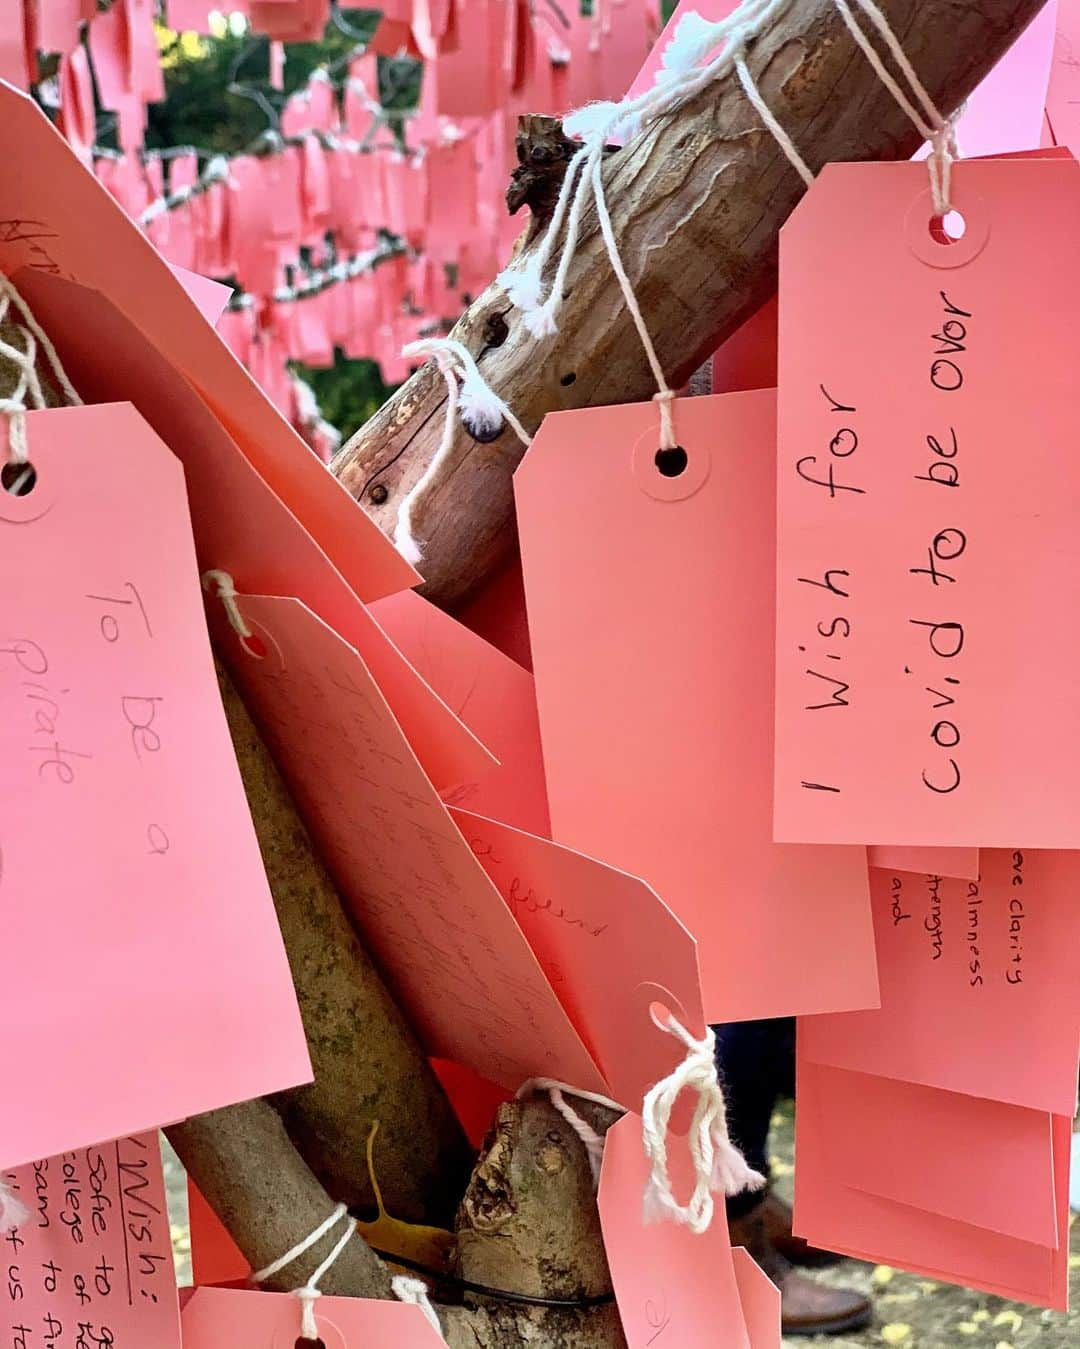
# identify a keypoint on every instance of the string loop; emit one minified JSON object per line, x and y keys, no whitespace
{"x":221,"y":583}
{"x":308,"y":1294}
{"x":718,"y":1163}
{"x":415,"y":1293}
{"x":483,"y":413}
{"x":591,"y":1140}
{"x":28,"y":389}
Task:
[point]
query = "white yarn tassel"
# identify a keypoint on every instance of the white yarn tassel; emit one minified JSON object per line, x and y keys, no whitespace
{"x":415,"y":1293}
{"x":13,"y":1213}
{"x":718,"y":1164}
{"x":694,"y":37}
{"x":524,"y":288}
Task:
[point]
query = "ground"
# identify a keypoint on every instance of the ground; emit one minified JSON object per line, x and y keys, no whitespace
{"x":912,"y":1313}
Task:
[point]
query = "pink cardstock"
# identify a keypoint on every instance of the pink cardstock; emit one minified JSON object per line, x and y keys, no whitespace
{"x":910,"y":708}
{"x":760,"y":1299}
{"x":656,"y":722}
{"x":839,"y":1204}
{"x":215,"y":1317}
{"x":128,"y":855}
{"x":235,"y":511}
{"x":438,"y":928}
{"x":962,"y":862}
{"x":581,"y":916}
{"x":491,"y":694}
{"x":1063,"y":93}
{"x":672,"y":1287}
{"x":93,"y":1266}
{"x":59,"y":222}
{"x":978,"y":983}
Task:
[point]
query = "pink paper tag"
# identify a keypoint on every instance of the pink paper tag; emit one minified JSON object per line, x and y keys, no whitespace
{"x":906,"y":708}
{"x":840,"y":1204}
{"x":129,"y":861}
{"x":993,"y":961}
{"x":434,"y":922}
{"x":93,"y":1265}
{"x":217,"y":1317}
{"x":672,"y":1287}
{"x":656,"y":723}
{"x":491,"y":694}
{"x":962,"y":862}
{"x":580,"y":916}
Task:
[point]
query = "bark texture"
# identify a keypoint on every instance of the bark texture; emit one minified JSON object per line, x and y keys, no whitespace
{"x":248,"y":1170}
{"x":697,"y":204}
{"x":368,"y":1064}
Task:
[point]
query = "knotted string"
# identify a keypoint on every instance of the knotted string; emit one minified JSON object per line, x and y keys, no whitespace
{"x":938,"y":130}
{"x":414,"y":1292}
{"x":13,"y":1212}
{"x":28,"y":387}
{"x":483,"y":413}
{"x":598,"y":123}
{"x":221,"y":584}
{"x":309,"y":1294}
{"x":592,"y":1141}
{"x":718,"y":1163}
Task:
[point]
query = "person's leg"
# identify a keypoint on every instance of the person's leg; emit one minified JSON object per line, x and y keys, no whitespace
{"x":756,"y":1063}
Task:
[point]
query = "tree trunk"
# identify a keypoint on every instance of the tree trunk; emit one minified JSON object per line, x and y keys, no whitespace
{"x":696,"y":204}
{"x":369,"y":1066}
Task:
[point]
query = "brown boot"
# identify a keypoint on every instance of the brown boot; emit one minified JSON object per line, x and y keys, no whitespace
{"x":778,"y":1229}
{"x":806,"y":1308}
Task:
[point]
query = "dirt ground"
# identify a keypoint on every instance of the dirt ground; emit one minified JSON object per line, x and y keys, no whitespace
{"x":911,"y":1312}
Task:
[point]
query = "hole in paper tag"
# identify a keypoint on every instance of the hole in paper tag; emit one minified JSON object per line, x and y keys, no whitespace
{"x":950,"y":240}
{"x":260,"y":644}
{"x":329,"y":1337}
{"x":949,"y":228}
{"x":669,"y":475}
{"x":671,"y":463}
{"x":19,"y":480}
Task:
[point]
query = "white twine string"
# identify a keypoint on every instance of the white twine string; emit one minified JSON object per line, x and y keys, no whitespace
{"x":592,"y":1141}
{"x":718,"y":1163}
{"x":13,"y":1213}
{"x":938,"y":130}
{"x":677,"y":81}
{"x":221,"y":584}
{"x":483,"y":413}
{"x":29,"y":386}
{"x":753,"y":93}
{"x":414,"y":1292}
{"x":309,"y":1294}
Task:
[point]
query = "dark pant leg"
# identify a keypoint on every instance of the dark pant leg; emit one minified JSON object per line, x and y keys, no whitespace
{"x":756,"y":1062}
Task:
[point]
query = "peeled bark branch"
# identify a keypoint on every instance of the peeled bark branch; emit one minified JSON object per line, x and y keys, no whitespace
{"x":697,"y":204}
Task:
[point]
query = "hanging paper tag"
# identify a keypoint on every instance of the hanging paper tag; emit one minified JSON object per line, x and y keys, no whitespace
{"x":938,"y":1146}
{"x":215,"y":1317}
{"x":441,"y":933}
{"x":994,"y":960}
{"x":928,"y":544}
{"x":651,"y":612}
{"x":128,"y":861}
{"x":672,"y":1286}
{"x":580,"y":916}
{"x":962,"y":862}
{"x":93,"y":1264}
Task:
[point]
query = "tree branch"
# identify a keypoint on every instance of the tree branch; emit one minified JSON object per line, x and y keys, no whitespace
{"x":697,"y":204}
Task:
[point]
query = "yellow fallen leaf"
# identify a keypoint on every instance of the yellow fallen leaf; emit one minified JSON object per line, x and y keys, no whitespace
{"x":981,"y":1315}
{"x":1074,"y":1261}
{"x":927,"y":1286}
{"x":430,"y":1247}
{"x":967,"y":1327}
{"x":896,"y":1332}
{"x":1003,"y":1344}
{"x":1009,"y":1318}
{"x":882,"y":1274}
